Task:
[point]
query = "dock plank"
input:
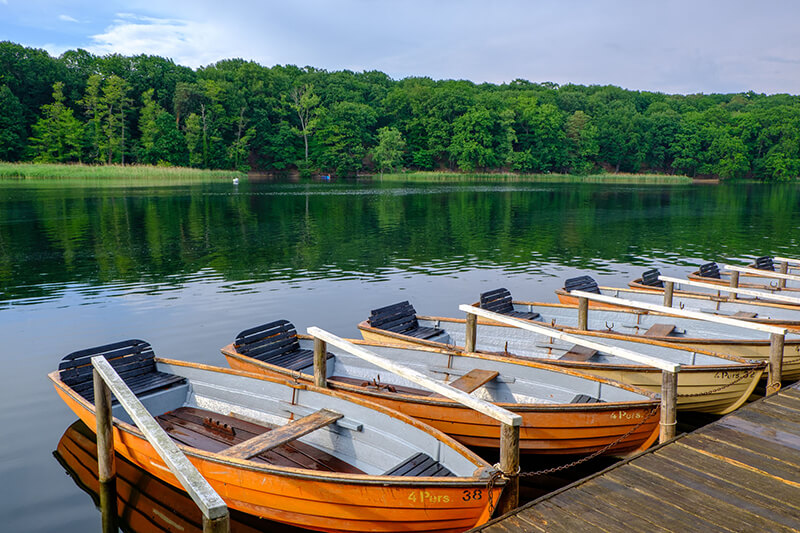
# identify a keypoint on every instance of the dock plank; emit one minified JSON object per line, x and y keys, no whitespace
{"x":739,"y":473}
{"x":763,"y":513}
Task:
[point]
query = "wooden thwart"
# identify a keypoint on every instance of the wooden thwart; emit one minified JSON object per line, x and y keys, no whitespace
{"x":660,"y":329}
{"x":473,"y":380}
{"x":279,"y":436}
{"x":579,"y":354}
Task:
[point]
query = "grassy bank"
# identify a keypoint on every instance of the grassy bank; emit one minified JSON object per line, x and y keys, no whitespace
{"x":656,"y":179}
{"x":111,"y":172}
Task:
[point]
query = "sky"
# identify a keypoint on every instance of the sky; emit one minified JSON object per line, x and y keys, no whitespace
{"x":671,"y":46}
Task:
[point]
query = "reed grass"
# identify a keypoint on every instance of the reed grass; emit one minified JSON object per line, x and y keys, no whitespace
{"x":621,"y":178}
{"x":111,"y":172}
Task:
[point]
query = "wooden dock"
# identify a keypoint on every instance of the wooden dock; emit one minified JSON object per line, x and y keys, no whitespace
{"x":740,"y":473}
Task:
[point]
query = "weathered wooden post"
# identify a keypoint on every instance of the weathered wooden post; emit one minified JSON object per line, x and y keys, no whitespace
{"x":216,"y":525}
{"x":583,"y":314}
{"x":320,"y":363}
{"x":776,"y":343}
{"x":669,"y":405}
{"x":783,"y":269}
{"x":106,"y":468}
{"x":509,"y":465}
{"x":734,"y":284}
{"x":669,"y":288}
{"x":471,"y":332}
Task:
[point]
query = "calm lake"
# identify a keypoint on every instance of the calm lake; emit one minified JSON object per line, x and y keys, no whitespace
{"x":187,"y":267}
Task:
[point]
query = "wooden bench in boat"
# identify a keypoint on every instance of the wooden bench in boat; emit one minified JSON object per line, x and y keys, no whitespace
{"x":585,"y":398}
{"x":473,"y":380}
{"x":660,"y":330}
{"x":744,"y":314}
{"x":650,"y":278}
{"x":401,"y":318}
{"x":215,"y":432}
{"x":132,"y":359}
{"x":577,"y":353}
{"x":500,"y":301}
{"x":709,"y":270}
{"x":275,"y":343}
{"x":282,"y":435}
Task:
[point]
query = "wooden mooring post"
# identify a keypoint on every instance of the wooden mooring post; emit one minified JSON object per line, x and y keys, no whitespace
{"x":106,"y":467}
{"x":734,"y":284}
{"x":509,"y":422}
{"x":669,"y":405}
{"x":583,"y":314}
{"x":471,"y":333}
{"x":669,"y":288}
{"x":216,"y":518}
{"x":783,"y":268}
{"x":320,"y":363}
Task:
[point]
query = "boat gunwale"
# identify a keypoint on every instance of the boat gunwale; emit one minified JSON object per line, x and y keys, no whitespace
{"x":737,"y":363}
{"x":654,"y":398}
{"x":481,"y":466}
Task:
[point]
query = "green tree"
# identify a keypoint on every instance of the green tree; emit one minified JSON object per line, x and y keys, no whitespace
{"x":305,"y":103}
{"x":95,"y":112}
{"x":57,"y":133}
{"x":12,"y":126}
{"x":389,"y":152}
{"x":160,"y":140}
{"x":115,"y":104}
{"x":345,"y":131}
{"x":582,"y":143}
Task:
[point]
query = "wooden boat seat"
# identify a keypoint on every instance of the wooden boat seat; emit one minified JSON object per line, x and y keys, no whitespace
{"x":275,"y":343}
{"x":577,"y":353}
{"x":499,"y":301}
{"x":709,"y":270}
{"x":132,"y":359}
{"x":473,"y":380}
{"x":215,"y":432}
{"x":582,"y":283}
{"x":420,"y":464}
{"x":660,"y":330}
{"x":650,"y":278}
{"x":585,"y":398}
{"x":744,"y":314}
{"x":401,"y":318}
{"x":282,"y":435}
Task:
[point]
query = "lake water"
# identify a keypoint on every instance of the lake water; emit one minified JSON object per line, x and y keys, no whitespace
{"x":188,"y":267}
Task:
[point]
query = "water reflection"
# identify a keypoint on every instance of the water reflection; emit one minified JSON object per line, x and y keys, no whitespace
{"x":156,"y":238}
{"x":145,"y":504}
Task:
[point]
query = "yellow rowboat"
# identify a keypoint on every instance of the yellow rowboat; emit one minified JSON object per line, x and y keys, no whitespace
{"x":563,"y":411}
{"x":708,"y":382}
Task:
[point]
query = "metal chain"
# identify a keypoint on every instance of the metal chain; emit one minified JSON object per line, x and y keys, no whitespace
{"x":497,"y":474}
{"x":721,"y":388}
{"x":595,"y":454}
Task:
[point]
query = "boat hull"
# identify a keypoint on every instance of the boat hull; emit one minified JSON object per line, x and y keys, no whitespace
{"x":735,"y":382}
{"x":325,"y":502}
{"x":545,"y":429}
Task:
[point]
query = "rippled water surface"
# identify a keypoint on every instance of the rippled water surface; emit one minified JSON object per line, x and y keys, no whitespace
{"x":187,"y":267}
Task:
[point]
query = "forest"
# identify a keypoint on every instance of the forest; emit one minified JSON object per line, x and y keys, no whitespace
{"x":240,"y":115}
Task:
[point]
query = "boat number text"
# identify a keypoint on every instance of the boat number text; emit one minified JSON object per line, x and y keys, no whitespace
{"x":423,"y":496}
{"x":724,"y":374}
{"x":476,"y":494}
{"x":625,"y":415}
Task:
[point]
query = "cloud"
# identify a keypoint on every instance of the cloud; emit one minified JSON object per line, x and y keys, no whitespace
{"x":65,"y":18}
{"x":187,"y":42}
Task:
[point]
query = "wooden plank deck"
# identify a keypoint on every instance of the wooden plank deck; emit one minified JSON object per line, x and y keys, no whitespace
{"x":740,"y":473}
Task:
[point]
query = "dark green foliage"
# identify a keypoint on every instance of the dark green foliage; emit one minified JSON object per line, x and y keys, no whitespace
{"x":235,"y":114}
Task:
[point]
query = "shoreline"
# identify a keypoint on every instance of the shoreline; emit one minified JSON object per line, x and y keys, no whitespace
{"x":57,"y":171}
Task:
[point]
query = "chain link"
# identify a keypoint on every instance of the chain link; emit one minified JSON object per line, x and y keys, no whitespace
{"x":595,"y":454}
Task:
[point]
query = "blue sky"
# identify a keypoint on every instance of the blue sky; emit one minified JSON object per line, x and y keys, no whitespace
{"x":677,"y":46}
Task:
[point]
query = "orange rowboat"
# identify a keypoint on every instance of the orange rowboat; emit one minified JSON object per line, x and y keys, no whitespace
{"x":563,"y":411}
{"x":336,"y":464}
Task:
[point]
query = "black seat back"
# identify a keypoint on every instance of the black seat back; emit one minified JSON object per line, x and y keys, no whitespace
{"x":498,"y":301}
{"x":709,"y":270}
{"x":650,"y":278}
{"x":581,"y":283}
{"x":398,"y":318}
{"x":268,"y":341}
{"x":132,"y":359}
{"x":765,"y":263}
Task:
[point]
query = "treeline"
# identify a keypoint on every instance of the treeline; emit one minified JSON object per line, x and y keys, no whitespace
{"x":237,"y":114}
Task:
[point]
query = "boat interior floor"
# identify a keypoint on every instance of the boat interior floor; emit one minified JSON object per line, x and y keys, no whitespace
{"x":214,"y":432}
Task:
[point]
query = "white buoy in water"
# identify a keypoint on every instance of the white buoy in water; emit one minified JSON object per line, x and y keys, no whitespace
{"x":236,"y":181}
